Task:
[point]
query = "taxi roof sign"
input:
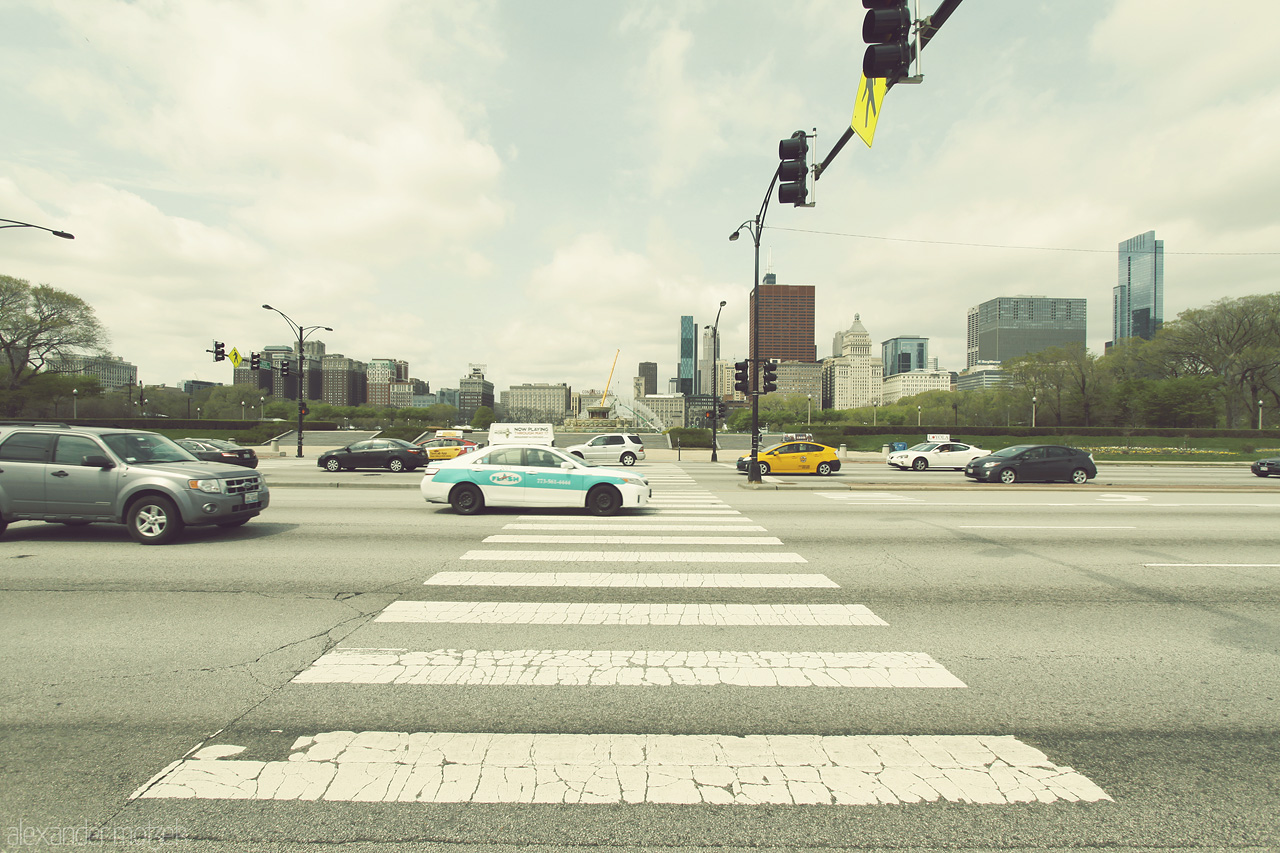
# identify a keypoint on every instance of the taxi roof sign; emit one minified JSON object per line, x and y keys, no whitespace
{"x":522,"y":434}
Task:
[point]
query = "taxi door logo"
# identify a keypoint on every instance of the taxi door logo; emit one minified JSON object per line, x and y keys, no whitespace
{"x":504,"y":478}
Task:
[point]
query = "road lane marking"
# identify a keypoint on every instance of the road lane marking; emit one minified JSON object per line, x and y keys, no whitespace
{"x":585,"y":539}
{"x":541,"y":613}
{"x":637,"y":556}
{"x":653,"y":519}
{"x":446,"y":767}
{"x":1211,"y":565}
{"x":659,"y":524}
{"x":586,"y":667}
{"x":630,"y":579}
{"x":1045,"y":527}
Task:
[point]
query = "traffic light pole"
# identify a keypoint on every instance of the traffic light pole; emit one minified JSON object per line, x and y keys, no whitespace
{"x":302,"y":331}
{"x":754,"y":227}
{"x":929,"y":28}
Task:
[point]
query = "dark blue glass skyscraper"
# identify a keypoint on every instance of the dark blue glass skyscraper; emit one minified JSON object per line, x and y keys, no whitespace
{"x":688,"y":374}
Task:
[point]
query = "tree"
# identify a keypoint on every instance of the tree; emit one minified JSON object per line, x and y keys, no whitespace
{"x":483,"y":418}
{"x":38,"y":326}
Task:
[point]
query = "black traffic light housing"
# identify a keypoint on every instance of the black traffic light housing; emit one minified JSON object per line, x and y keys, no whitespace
{"x":769,"y":381}
{"x":742,"y":377}
{"x":303,"y":410}
{"x":284,"y":368}
{"x":219,"y":351}
{"x":793,"y":171}
{"x":255,"y":361}
{"x":886,"y":29}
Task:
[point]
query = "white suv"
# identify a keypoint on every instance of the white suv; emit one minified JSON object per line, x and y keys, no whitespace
{"x":620,"y":447}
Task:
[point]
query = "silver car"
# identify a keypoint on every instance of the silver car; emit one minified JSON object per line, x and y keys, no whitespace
{"x":614,"y":448}
{"x":80,"y":475}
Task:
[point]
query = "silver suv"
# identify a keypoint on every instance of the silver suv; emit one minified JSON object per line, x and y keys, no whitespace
{"x":611,"y":448}
{"x":79,"y":475}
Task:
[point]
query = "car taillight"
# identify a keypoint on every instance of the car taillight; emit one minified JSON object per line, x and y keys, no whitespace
{"x":227,"y":453}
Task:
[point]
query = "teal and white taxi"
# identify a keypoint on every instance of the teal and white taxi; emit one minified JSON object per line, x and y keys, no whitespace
{"x":530,"y":475}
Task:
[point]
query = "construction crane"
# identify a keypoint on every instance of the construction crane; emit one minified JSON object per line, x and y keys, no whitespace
{"x":610,"y":379}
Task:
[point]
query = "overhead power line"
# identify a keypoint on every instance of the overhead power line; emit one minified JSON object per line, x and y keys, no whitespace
{"x":986,"y":245}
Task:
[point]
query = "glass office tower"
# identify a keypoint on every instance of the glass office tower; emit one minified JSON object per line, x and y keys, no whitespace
{"x":904,"y":354}
{"x":687,"y":377}
{"x":1138,"y":298}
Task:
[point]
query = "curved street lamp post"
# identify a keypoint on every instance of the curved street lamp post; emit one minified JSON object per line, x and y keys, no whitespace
{"x":16,"y":224}
{"x":302,"y":332}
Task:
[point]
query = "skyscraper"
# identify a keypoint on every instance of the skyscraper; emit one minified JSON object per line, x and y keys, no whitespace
{"x":687,"y":374}
{"x":1010,"y":326}
{"x":1138,"y":298}
{"x":649,"y":377}
{"x":904,"y":354}
{"x":785,"y":321}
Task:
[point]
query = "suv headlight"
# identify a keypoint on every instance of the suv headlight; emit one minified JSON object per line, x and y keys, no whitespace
{"x":211,"y":486}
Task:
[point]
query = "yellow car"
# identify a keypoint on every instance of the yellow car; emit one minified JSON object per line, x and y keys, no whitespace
{"x":795,"y":457}
{"x":447,"y":448}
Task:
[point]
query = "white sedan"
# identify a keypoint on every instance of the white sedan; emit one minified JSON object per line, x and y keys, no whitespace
{"x":936,"y":454}
{"x":530,"y":475}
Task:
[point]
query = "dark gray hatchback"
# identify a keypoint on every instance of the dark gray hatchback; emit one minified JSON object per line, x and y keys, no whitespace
{"x":1038,"y":463}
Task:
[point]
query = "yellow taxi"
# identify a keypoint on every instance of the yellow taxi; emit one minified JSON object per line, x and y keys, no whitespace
{"x":795,"y":457}
{"x":447,"y":444}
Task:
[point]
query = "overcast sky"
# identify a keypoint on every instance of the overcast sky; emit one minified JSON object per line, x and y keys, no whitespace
{"x":534,"y":186}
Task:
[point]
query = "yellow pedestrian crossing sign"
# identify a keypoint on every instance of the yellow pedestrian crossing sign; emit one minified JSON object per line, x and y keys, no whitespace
{"x":235,"y":357}
{"x":867,"y":112}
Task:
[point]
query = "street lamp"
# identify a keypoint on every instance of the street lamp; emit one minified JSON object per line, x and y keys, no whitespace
{"x":1033,"y":411}
{"x":1259,"y":414}
{"x":16,"y":224}
{"x":262,"y":409}
{"x":242,"y":410}
{"x":302,"y":332}
{"x":197,"y":413}
{"x":75,"y":397}
{"x":810,"y":410}
{"x":715,"y":369}
{"x":917,"y":415}
{"x":875,"y":407}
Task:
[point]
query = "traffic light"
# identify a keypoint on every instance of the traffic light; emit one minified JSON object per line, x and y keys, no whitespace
{"x":708,"y":414}
{"x":303,"y":410}
{"x":255,"y":361}
{"x":284,"y":368}
{"x":742,"y":377}
{"x":769,"y":381}
{"x":219,"y":351}
{"x":886,"y":29}
{"x":793,"y":171}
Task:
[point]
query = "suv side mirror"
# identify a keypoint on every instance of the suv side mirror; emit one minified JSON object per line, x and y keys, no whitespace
{"x":96,"y":460}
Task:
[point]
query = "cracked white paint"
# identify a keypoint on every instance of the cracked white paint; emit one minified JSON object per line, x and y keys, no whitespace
{"x":654,"y":580}
{"x":585,"y":667}
{"x":530,"y":613}
{"x":691,"y":769}
{"x":637,"y":556}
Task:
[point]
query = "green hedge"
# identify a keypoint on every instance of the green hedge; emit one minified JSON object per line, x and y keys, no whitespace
{"x":690,"y":437}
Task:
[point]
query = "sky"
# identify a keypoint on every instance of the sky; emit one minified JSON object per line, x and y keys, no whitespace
{"x":540,"y":187}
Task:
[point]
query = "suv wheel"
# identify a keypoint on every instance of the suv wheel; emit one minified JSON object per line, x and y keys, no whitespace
{"x":628,"y":459}
{"x":154,"y":520}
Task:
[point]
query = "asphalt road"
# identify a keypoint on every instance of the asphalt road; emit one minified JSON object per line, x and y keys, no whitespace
{"x":1129,"y":633}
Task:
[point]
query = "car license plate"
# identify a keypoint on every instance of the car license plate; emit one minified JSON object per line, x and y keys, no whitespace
{"x":251,"y":497}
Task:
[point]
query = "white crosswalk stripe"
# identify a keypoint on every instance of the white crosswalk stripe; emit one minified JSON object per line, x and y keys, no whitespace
{"x":582,"y":667}
{"x":557,"y":613}
{"x":636,"y":556}
{"x":650,"y":580}
{"x":446,"y":767}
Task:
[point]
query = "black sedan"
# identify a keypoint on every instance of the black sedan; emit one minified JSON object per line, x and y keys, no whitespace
{"x":217,"y":450}
{"x":391,"y":453}
{"x":1266,"y":467}
{"x":1034,"y":463}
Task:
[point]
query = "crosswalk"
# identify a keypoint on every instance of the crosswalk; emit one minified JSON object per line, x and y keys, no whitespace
{"x":684,"y":524}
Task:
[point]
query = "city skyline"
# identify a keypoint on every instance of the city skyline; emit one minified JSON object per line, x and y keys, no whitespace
{"x":489,"y":205}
